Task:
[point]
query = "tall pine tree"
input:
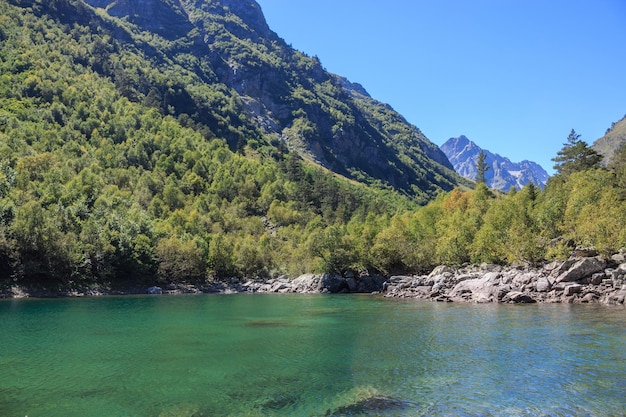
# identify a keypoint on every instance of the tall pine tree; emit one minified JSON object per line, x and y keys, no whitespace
{"x":481,"y":167}
{"x":576,"y":156}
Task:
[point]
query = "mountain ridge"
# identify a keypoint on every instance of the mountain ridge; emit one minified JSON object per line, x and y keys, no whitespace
{"x":502,"y":174}
{"x":290,"y":97}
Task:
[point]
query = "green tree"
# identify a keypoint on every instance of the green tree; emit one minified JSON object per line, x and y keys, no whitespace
{"x":335,"y":249}
{"x":180,"y":261}
{"x":618,"y":166}
{"x":481,"y":167}
{"x":576,"y":156}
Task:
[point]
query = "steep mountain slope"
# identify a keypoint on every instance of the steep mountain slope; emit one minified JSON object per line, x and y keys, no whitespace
{"x":114,"y":168}
{"x":612,"y":141}
{"x":159,"y":141}
{"x":245,"y":84}
{"x":502,"y":174}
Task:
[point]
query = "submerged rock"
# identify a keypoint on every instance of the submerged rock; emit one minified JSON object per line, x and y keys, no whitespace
{"x":374,"y":404}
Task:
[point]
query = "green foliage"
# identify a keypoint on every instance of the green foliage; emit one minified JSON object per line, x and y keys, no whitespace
{"x":481,"y":167}
{"x":97,"y":186}
{"x":118,"y":172}
{"x":576,"y":156}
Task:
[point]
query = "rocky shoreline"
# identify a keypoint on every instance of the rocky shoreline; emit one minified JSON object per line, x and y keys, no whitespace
{"x":583,"y":278}
{"x":580,"y":279}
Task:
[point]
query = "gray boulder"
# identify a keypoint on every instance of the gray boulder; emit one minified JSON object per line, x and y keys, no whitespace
{"x":332,"y":283}
{"x":154,"y":290}
{"x":307,"y":283}
{"x":583,"y":268}
{"x":370,"y":283}
{"x":440,"y":270}
{"x":480,"y":290}
{"x":518,"y":297}
{"x":572,"y":289}
{"x":543,"y":284}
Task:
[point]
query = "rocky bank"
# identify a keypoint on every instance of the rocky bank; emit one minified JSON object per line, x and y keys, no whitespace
{"x":583,"y":278}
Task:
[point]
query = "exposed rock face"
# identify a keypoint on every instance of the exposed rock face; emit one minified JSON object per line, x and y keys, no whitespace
{"x":612,"y":141}
{"x":502,"y":173}
{"x":166,"y":18}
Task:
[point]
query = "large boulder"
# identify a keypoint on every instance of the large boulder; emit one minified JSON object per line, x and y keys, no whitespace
{"x":518,"y":297}
{"x":543,"y":284}
{"x":440,"y":270}
{"x":307,"y":283}
{"x":582,"y":269}
{"x":370,"y":283}
{"x":481,"y":290}
{"x":154,"y":290}
{"x":332,"y":283}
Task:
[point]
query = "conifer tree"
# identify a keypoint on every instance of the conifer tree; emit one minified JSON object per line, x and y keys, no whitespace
{"x":481,"y":167}
{"x":576,"y":156}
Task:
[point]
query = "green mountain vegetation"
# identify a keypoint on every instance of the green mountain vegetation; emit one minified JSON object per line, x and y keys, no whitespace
{"x":130,"y":154}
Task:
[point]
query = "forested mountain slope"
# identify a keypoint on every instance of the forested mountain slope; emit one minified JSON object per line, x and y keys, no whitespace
{"x":124,"y":158}
{"x":217,"y":65}
{"x":131,"y":154}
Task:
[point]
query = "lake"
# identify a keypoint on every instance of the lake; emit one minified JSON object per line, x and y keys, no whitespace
{"x":308,"y":355}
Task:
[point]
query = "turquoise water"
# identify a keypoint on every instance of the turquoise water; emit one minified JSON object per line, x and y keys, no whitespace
{"x":296,"y":355}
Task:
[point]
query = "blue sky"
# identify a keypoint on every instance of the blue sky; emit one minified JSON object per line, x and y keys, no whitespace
{"x":514,"y":76}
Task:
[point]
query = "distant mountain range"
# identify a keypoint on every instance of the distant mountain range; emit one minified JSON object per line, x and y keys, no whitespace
{"x":502,"y":174}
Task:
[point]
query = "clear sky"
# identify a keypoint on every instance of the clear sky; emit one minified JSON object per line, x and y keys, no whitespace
{"x":514,"y":76}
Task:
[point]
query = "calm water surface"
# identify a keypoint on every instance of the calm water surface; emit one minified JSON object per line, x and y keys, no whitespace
{"x":268,"y":355}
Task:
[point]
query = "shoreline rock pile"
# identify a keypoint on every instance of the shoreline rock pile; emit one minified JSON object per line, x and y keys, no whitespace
{"x":583,"y":278}
{"x":576,"y":280}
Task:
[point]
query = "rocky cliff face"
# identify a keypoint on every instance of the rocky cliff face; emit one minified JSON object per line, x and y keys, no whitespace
{"x":612,"y":141}
{"x":502,"y":173}
{"x":164,"y":17}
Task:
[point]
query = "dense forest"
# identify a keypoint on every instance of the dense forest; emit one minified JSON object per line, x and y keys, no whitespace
{"x":104,"y":180}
